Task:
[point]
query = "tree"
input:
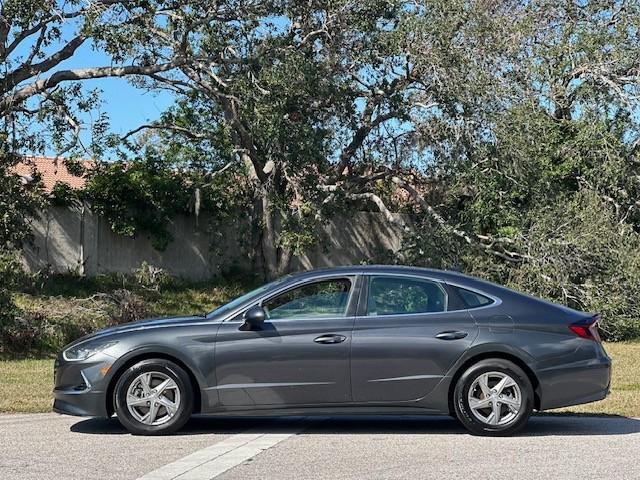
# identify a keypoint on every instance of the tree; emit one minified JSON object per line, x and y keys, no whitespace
{"x":548,"y":169}
{"x":320,"y":102}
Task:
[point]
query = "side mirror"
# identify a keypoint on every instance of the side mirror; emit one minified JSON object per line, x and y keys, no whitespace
{"x":254,"y":318}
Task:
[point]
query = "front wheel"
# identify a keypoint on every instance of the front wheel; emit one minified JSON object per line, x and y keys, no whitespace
{"x":493,"y":397}
{"x":153,"y":397}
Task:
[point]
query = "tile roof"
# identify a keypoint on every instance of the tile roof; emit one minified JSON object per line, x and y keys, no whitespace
{"x":51,"y":170}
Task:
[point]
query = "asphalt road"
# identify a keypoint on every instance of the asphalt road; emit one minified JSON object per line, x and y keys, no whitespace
{"x":49,"y":446}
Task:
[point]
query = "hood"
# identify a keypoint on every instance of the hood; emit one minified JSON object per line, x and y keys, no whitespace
{"x":141,"y":324}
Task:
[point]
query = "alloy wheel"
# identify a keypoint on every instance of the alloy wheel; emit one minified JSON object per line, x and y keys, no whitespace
{"x":153,"y":398}
{"x":495,"y":398}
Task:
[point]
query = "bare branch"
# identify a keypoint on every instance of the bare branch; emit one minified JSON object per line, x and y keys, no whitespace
{"x":390,"y":217}
{"x":469,"y":238}
{"x":176,"y":128}
{"x":27,"y":70}
{"x":84,"y":74}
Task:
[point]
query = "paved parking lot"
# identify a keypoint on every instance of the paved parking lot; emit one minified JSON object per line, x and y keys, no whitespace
{"x":49,"y":446}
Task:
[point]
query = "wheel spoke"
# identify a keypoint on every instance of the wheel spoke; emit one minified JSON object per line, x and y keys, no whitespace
{"x":170,"y":406}
{"x":145,"y":383}
{"x":133,"y":401}
{"x":511,"y":402}
{"x":506,"y":382}
{"x":151,"y":415}
{"x":494,"y":418}
{"x":477,"y":404}
{"x":483,"y":382}
{"x":167,"y":384}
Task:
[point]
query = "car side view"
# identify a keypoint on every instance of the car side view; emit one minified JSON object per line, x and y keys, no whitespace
{"x":346,"y":340}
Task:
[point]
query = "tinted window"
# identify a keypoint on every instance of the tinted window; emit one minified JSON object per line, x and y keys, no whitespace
{"x":314,"y":300}
{"x":247,"y":296}
{"x":473,"y":299}
{"x":398,"y":295}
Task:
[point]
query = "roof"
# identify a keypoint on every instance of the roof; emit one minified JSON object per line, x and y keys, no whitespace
{"x":52,"y":170}
{"x":406,"y":269}
{"x":449,"y":276}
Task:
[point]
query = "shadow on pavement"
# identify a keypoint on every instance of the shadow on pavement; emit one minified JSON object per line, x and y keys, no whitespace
{"x":539,"y":425}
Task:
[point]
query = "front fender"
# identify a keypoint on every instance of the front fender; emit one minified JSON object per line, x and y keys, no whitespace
{"x":156,"y":351}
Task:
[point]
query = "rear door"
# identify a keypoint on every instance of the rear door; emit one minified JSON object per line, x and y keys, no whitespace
{"x":405,"y":338}
{"x":301,"y":354}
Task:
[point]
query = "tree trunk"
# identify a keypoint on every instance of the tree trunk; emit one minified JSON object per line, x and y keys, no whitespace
{"x":270,"y":259}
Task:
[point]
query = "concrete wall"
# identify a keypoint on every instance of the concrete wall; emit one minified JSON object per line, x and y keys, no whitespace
{"x":77,"y":240}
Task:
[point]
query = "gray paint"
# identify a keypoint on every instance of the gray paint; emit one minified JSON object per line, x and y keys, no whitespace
{"x":387,"y":364}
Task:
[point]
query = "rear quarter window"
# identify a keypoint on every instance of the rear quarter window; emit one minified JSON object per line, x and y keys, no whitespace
{"x":473,"y":299}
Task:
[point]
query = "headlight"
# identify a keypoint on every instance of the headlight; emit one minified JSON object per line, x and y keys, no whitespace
{"x":84,"y":350}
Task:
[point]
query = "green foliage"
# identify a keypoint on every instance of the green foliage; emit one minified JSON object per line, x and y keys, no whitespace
{"x":63,"y":195}
{"x":10,"y":276}
{"x":140,"y":197}
{"x":19,"y":202}
{"x":539,"y":166}
{"x":581,"y":256}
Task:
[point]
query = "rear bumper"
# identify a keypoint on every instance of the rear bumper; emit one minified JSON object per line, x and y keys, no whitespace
{"x":580,"y":382}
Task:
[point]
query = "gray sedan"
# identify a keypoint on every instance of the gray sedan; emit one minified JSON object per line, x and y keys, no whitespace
{"x":348,"y":340}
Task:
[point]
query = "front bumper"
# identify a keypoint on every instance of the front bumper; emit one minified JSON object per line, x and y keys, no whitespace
{"x":89,"y":404}
{"x":81,"y":387}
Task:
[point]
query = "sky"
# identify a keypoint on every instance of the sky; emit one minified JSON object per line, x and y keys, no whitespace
{"x":127,"y":106}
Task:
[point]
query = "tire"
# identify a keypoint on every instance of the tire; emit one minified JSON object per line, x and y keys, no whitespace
{"x":174,"y":403}
{"x":513,"y":404}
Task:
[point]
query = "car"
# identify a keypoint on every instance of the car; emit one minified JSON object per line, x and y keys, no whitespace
{"x":343,"y":341}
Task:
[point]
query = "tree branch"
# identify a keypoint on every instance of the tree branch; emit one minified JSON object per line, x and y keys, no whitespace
{"x":469,"y":238}
{"x":27,"y":70}
{"x":185,"y":131}
{"x":83,"y":74}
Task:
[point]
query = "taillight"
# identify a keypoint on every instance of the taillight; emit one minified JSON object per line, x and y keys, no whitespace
{"x":587,"y":328}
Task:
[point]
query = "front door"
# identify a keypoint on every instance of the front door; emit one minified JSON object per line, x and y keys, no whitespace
{"x":300,"y":356}
{"x":405,"y":339}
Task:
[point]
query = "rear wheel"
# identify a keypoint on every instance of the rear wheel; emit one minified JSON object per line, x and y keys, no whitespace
{"x":493,"y":397}
{"x":153,"y":397}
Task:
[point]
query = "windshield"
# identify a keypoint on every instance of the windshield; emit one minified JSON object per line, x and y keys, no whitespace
{"x":247,"y":297}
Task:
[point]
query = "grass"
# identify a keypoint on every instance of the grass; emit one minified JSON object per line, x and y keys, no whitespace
{"x":26,"y":385}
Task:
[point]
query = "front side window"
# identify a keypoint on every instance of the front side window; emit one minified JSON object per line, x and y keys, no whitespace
{"x":314,"y":300}
{"x":399,"y":295}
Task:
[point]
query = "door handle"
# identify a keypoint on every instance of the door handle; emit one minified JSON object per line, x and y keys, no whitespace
{"x":451,"y":335}
{"x":330,"y":339}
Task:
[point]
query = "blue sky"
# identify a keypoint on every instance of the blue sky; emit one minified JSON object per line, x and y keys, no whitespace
{"x":126,"y":105}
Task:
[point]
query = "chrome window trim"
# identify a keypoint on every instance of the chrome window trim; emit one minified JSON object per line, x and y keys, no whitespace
{"x":351,"y":277}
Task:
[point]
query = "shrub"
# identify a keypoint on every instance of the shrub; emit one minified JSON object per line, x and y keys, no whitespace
{"x":575,"y":252}
{"x":129,"y":307}
{"x":152,"y":278}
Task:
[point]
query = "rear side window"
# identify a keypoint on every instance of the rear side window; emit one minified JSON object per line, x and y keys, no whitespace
{"x":473,"y":299}
{"x":400,"y":295}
